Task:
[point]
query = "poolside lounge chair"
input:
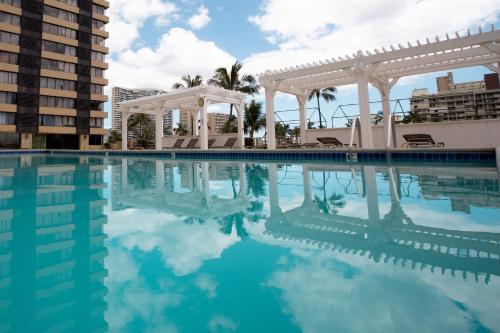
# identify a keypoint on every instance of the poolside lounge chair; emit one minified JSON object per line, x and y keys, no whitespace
{"x":192,"y":143}
{"x":178,"y":144}
{"x":330,"y":142}
{"x":229,"y":144}
{"x":420,"y":141}
{"x":211,"y":142}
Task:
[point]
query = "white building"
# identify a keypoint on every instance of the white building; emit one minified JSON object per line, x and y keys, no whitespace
{"x":124,"y":94}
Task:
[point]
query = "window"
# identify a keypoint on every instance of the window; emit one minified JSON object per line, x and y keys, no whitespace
{"x":15,"y":3}
{"x":59,"y":31}
{"x":69,"y":2}
{"x":59,"y":48}
{"x":96,"y":24}
{"x":10,"y":19}
{"x":7,"y":37}
{"x":96,"y":72}
{"x":8,"y":77}
{"x":97,"y":56}
{"x":59,"y":84}
{"x":9,"y":58}
{"x":63,"y":121}
{"x":95,"y":140}
{"x":57,"y":102}
{"x":60,"y":14}
{"x":96,"y":89}
{"x":96,"y":106}
{"x":60,"y":66}
{"x":98,"y":40}
{"x":98,"y":9}
{"x":8,"y":97}
{"x":96,"y":122}
{"x":7,"y":118}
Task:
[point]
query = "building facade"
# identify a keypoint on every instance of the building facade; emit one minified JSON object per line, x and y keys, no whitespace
{"x":459,"y":101}
{"x":120,"y":94}
{"x":216,"y":122}
{"x":52,"y":65}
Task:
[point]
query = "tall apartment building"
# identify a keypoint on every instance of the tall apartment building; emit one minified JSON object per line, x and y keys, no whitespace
{"x":52,"y":64}
{"x":216,"y":122}
{"x":124,"y":94}
{"x":459,"y":101}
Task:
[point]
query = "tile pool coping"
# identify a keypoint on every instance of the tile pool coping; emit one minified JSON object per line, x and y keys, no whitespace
{"x":446,"y":156}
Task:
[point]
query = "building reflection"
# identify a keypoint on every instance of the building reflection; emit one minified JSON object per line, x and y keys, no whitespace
{"x":52,"y":245}
{"x":392,"y":238}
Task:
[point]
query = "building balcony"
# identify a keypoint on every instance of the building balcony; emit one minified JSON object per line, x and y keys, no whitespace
{"x":11,"y":9}
{"x":59,"y":39}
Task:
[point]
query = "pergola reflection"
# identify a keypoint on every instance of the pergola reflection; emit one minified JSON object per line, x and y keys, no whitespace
{"x":393,"y":238}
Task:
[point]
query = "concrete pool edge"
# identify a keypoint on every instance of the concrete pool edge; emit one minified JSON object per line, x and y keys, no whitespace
{"x":472,"y":156}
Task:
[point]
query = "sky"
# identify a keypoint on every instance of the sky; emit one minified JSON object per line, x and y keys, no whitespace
{"x":153,"y":43}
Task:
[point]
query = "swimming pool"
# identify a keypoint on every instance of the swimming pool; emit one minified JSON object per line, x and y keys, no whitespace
{"x":141,"y":244}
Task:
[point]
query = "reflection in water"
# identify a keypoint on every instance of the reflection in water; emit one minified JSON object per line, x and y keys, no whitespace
{"x":228,"y":246}
{"x":52,"y":245}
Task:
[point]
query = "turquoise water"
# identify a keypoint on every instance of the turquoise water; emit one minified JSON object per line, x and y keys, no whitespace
{"x":126,"y":245}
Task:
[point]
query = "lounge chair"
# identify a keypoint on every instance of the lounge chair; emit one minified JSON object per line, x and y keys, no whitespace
{"x":192,"y":143}
{"x":211,"y":142}
{"x":229,"y":144}
{"x":330,"y":142}
{"x":420,"y":141}
{"x":177,"y":145}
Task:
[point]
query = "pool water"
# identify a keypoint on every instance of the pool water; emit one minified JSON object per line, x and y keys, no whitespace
{"x":90,"y":244}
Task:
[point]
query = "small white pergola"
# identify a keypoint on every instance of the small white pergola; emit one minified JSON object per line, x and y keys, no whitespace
{"x":382,"y":68}
{"x":193,"y":100}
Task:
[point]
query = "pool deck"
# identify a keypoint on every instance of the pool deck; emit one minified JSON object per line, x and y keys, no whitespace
{"x":441,"y":156}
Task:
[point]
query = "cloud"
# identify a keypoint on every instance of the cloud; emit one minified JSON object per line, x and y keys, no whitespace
{"x":321,"y":29}
{"x":128,"y":17}
{"x":201,"y":19}
{"x":179,"y":52}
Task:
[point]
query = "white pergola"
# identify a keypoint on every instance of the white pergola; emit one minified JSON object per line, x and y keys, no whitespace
{"x":382,"y":68}
{"x":194,"y":100}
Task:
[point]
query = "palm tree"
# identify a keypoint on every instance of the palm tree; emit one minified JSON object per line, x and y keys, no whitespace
{"x":114,"y":137}
{"x":254,"y":118}
{"x":295,"y":133}
{"x":232,"y":80}
{"x":328,"y":94}
{"x":189,"y":82}
{"x":181,"y":129}
{"x":379,"y":117}
{"x":140,"y":125}
{"x":413,"y":117}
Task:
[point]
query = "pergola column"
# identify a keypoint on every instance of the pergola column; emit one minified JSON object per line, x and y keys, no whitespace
{"x":204,"y":125}
{"x":270,"y":123}
{"x":243,"y":180}
{"x":124,"y":174}
{"x":384,"y":86}
{"x":125,"y":116}
{"x":240,"y":110}
{"x":274,"y":202}
{"x":364,"y":108}
{"x":370,"y":178}
{"x":195,"y":114}
{"x":301,"y":99}
{"x":160,"y":176}
{"x":306,"y":174}
{"x":158,"y":131}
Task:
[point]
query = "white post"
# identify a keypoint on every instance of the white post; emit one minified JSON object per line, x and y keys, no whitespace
{"x":364,"y":109}
{"x":240,"y":111}
{"x":384,"y":86}
{"x":270,"y":124}
{"x":158,"y":131}
{"x":124,"y":130}
{"x":243,"y":180}
{"x":196,"y":116}
{"x":124,"y":174}
{"x":303,"y":117}
{"x":205,"y":178}
{"x":204,"y":126}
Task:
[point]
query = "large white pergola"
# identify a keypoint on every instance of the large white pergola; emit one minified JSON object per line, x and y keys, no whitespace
{"x":193,"y":100}
{"x":382,"y":68}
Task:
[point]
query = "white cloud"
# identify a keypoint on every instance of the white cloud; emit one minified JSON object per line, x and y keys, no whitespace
{"x":128,"y":17}
{"x":179,"y":52}
{"x":201,"y":19}
{"x":321,"y":29}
